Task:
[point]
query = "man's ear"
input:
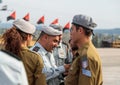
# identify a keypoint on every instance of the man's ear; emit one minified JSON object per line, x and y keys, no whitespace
{"x":29,"y":36}
{"x":45,"y":37}
{"x":80,"y":29}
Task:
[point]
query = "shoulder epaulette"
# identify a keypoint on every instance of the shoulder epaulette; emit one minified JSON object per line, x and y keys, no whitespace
{"x":36,"y":48}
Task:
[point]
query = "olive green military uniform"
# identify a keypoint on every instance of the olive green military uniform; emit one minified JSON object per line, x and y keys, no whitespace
{"x":86,"y":68}
{"x":33,"y":66}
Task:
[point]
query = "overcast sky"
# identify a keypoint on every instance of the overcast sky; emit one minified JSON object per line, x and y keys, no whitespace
{"x":106,"y":13}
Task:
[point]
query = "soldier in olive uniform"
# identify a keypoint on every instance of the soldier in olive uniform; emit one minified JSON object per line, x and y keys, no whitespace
{"x":86,"y":68}
{"x":16,"y":40}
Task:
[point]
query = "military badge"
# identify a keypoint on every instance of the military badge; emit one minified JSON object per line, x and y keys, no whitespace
{"x":84,"y":62}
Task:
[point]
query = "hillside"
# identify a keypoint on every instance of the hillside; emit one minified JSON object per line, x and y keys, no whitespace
{"x":108,"y":31}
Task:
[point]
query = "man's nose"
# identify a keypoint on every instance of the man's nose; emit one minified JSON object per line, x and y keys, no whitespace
{"x":56,"y":44}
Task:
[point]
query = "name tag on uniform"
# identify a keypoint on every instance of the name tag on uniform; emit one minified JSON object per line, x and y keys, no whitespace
{"x":61,"y":53}
{"x":86,"y":72}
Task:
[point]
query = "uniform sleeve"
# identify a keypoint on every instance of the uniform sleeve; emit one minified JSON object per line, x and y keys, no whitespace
{"x":53,"y":72}
{"x":23,"y":75}
{"x":39,"y":76}
{"x":91,"y":75}
{"x":99,"y":77}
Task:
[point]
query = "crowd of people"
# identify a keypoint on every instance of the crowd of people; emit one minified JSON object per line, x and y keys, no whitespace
{"x":50,"y":61}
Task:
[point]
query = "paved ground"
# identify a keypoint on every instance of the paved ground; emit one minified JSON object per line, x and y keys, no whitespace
{"x":111,"y":65}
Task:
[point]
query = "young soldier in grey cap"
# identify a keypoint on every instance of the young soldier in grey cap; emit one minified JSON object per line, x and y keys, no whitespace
{"x":48,"y":40}
{"x":61,"y":54}
{"x":86,"y":67}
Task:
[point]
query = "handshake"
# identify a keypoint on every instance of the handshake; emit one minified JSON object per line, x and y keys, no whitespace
{"x":67,"y":67}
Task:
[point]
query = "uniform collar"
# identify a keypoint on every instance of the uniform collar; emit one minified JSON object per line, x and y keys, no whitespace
{"x":24,"y":48}
{"x":60,"y":45}
{"x":41,"y":48}
{"x":84,"y":47}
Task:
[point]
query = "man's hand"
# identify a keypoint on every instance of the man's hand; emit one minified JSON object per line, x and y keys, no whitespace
{"x":67,"y":67}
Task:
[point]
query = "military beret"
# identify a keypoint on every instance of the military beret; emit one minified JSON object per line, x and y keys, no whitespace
{"x":84,"y":21}
{"x":57,"y":27}
{"x":24,"y":26}
{"x":50,"y":30}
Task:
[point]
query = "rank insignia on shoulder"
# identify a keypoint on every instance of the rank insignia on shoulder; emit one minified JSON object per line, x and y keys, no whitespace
{"x":84,"y":62}
{"x":36,"y":48}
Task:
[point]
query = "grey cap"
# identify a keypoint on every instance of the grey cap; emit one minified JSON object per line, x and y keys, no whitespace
{"x":50,"y":30}
{"x":57,"y":27}
{"x":24,"y":26}
{"x":84,"y":21}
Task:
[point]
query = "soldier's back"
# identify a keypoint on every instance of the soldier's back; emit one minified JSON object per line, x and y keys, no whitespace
{"x":33,"y":64}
